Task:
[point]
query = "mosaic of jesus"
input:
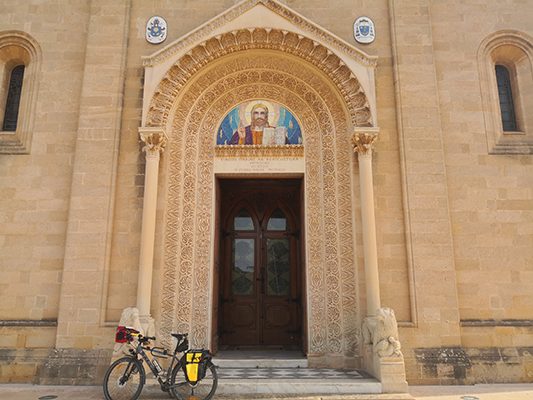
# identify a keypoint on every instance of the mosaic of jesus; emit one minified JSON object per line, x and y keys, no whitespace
{"x":259,"y":122}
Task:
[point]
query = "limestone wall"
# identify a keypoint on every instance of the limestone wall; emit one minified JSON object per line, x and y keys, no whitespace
{"x":454,"y":222}
{"x":35,"y":188}
{"x":489,"y":199}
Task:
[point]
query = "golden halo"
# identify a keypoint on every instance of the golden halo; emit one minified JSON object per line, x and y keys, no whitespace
{"x":272,"y":120}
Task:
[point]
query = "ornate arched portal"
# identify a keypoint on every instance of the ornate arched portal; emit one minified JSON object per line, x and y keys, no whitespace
{"x":193,"y":97}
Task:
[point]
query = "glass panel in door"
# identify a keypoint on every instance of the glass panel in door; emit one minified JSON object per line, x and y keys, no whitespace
{"x":278,"y":267}
{"x":242,"y":267}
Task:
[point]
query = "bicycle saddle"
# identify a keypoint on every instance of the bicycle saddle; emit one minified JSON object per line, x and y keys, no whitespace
{"x":179,"y":336}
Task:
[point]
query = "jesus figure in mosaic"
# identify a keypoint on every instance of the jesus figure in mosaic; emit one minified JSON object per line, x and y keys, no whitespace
{"x":259,"y":123}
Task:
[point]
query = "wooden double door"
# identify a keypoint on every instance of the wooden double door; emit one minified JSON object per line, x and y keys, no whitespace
{"x":260,"y":260}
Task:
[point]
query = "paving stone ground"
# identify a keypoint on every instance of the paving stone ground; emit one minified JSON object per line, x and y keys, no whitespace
{"x":476,"y":392}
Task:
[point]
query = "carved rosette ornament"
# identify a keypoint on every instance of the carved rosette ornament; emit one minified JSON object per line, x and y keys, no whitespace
{"x":155,"y":140}
{"x":363,"y":142}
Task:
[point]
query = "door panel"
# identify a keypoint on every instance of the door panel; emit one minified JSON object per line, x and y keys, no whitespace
{"x":260,"y":280}
{"x":243,"y":316}
{"x":277,"y":316}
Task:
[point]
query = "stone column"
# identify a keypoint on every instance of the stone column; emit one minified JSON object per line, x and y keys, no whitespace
{"x":155,"y":139}
{"x":362,"y":140}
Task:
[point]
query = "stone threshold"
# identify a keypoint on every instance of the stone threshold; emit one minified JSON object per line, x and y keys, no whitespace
{"x":261,"y":363}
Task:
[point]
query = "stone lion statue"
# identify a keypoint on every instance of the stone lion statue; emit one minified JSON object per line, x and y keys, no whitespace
{"x":382,"y":332}
{"x":130,"y":319}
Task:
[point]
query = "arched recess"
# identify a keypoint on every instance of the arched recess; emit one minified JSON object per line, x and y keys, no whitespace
{"x":514,"y":50}
{"x":19,"y":48}
{"x":191,"y":99}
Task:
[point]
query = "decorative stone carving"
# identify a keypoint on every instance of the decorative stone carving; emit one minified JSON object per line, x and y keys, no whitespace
{"x":273,"y":40}
{"x":362,"y":143}
{"x":332,"y":289}
{"x":270,"y":73}
{"x":382,"y":332}
{"x":155,"y":140}
{"x":324,"y":103}
{"x":229,"y":151}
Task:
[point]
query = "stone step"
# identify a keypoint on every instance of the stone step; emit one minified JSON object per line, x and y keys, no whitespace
{"x":298,"y":386}
{"x":293,"y":380}
{"x":291,"y":390}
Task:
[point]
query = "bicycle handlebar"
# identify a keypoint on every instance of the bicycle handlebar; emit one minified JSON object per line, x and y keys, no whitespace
{"x":140,"y":337}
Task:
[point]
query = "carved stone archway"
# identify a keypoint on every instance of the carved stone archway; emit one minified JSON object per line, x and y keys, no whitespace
{"x":232,"y":42}
{"x":188,"y":90}
{"x":194,"y":111}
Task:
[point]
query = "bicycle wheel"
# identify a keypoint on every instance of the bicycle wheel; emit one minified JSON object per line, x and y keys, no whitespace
{"x":124,"y":380}
{"x":203,"y":390}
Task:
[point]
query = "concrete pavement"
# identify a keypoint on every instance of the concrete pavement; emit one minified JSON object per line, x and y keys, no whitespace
{"x":476,"y":392}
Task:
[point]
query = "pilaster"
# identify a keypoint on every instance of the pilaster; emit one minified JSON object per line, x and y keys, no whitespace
{"x":92,"y":197}
{"x":427,"y":217}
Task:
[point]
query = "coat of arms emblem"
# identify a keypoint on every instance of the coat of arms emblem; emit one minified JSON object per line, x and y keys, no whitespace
{"x":363,"y":30}
{"x":156,"y":30}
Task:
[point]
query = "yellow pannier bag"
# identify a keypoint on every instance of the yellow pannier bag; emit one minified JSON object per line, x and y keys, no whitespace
{"x":193,"y":360}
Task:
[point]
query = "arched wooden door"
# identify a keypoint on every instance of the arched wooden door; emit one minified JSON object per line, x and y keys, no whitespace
{"x":260,"y":276}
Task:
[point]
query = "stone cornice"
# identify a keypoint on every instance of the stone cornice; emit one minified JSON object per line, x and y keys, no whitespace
{"x":280,"y":9}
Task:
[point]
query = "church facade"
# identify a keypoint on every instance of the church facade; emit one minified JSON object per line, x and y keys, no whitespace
{"x":267,"y":173}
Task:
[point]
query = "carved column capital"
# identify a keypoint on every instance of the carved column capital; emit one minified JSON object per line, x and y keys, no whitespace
{"x":155,"y":139}
{"x":363,"y":139}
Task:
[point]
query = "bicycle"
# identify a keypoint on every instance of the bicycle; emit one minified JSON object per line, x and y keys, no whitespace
{"x":191,"y":377}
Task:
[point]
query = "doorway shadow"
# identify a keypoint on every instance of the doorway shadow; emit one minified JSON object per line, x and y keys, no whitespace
{"x":260,"y":352}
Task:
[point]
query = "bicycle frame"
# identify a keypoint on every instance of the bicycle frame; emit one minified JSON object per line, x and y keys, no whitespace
{"x":165,"y":384}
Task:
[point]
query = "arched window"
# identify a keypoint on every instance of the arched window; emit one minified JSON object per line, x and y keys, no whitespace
{"x":505,"y":62}
{"x":20,"y":63}
{"x":13,"y":98}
